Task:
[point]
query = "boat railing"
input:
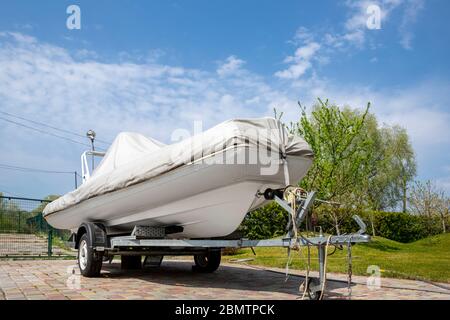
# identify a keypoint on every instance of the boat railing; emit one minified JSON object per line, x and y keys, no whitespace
{"x":85,"y":172}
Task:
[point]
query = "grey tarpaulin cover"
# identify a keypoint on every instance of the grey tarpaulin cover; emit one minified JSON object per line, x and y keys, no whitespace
{"x":133,"y":158}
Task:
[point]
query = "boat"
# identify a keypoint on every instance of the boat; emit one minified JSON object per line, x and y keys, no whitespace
{"x":202,"y":186}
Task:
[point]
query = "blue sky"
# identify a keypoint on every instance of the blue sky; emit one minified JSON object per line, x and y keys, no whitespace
{"x":155,"y":66}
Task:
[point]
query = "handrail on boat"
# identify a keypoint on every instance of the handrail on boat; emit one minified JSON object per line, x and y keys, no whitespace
{"x":85,"y":172}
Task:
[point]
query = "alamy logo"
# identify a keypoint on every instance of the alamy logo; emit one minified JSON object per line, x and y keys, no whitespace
{"x":374,"y":280}
{"x":73,"y":22}
{"x":265,"y":148}
{"x":374,"y":17}
{"x":73,"y":281}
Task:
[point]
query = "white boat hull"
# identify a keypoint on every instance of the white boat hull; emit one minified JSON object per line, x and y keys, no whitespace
{"x":207,"y":200}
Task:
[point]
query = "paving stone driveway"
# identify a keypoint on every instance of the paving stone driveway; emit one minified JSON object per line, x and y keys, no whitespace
{"x":52,"y":279}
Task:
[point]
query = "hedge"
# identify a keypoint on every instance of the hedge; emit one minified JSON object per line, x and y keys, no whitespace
{"x":264,"y":223}
{"x":271,"y":221}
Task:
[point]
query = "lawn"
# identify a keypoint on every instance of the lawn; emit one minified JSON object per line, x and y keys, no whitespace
{"x":426,"y":259}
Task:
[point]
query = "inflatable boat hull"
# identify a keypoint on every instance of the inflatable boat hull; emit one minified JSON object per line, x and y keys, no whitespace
{"x":207,"y":200}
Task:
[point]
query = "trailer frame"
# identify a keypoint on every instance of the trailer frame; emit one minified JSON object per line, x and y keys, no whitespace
{"x":153,"y":243}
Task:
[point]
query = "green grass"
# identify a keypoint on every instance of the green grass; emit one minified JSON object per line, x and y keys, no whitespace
{"x":426,"y":259}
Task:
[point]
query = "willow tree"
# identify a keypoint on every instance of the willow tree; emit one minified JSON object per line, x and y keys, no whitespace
{"x":395,"y":169}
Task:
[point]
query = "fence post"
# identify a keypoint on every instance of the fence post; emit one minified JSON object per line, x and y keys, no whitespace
{"x":41,"y":222}
{"x":50,"y":241}
{"x":19,"y":223}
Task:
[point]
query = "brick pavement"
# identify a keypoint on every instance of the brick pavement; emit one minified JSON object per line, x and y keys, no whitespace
{"x":53,"y":280}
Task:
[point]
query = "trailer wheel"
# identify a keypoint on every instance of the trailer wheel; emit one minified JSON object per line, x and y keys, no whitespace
{"x":89,"y":262}
{"x":208,"y":262}
{"x":313,"y":292}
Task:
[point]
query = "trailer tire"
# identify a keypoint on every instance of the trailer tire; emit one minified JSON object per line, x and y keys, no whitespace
{"x":313,"y":292}
{"x":207,"y":263}
{"x":89,"y":261}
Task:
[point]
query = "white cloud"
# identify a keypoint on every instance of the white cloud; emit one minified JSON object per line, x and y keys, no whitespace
{"x":421,"y":109}
{"x":316,"y":48}
{"x":52,"y":85}
{"x":231,"y":66}
{"x":418,"y":108}
{"x":413,"y":7}
{"x":355,"y":34}
{"x":355,"y":31}
{"x":302,"y":35}
{"x":49,"y":81}
{"x":300,"y":61}
{"x":306,"y":52}
{"x":86,"y":54}
{"x":19,"y":37}
{"x":295,"y":71}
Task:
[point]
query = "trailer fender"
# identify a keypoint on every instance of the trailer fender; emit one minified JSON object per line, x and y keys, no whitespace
{"x":96,"y":233}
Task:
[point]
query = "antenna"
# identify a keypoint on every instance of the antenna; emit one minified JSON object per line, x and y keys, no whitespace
{"x":91,"y":135}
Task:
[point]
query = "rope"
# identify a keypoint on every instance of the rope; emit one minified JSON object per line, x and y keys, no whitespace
{"x":291,"y":194}
{"x":288,"y":262}
{"x":291,"y":197}
{"x":308,"y":269}
{"x":325,"y":267}
{"x":350,"y":268}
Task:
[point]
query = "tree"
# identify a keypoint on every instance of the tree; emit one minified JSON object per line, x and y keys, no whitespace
{"x":444,"y":211}
{"x":342,"y":152}
{"x":428,"y":200}
{"x":357,"y":163}
{"x":394,"y":169}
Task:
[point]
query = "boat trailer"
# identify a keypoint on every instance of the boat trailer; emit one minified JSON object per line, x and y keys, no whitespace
{"x":152,"y":242}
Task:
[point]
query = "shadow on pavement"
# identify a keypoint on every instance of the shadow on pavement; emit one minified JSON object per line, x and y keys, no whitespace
{"x":179,"y":273}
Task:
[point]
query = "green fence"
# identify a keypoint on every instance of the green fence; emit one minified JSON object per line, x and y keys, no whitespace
{"x":25,"y":233}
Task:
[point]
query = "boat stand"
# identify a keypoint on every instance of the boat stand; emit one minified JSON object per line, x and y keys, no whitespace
{"x":151,"y":241}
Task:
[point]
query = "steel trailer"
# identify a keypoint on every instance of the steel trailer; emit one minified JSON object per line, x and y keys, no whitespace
{"x":95,"y":246}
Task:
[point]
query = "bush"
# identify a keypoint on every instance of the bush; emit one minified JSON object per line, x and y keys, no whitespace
{"x":270,"y":221}
{"x":404,"y":227}
{"x":267,"y":222}
{"x":397,"y":226}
